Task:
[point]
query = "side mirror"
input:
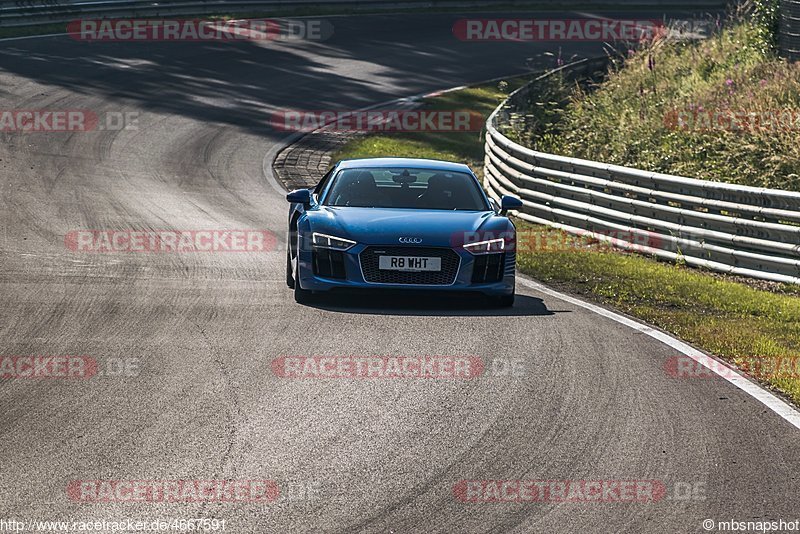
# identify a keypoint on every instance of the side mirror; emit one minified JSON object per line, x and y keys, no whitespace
{"x":300,"y":196}
{"x":507,"y":202}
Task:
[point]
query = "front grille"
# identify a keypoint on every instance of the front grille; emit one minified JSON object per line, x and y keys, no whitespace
{"x":445,"y":277}
{"x":328,"y":263}
{"x":488,"y":268}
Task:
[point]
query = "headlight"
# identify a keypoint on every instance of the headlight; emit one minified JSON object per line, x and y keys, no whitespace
{"x":486,"y":247}
{"x":331,"y":242}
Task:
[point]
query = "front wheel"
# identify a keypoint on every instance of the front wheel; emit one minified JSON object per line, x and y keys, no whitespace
{"x":301,"y":296}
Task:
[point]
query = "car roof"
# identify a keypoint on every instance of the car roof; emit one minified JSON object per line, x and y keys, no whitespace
{"x":411,"y":163}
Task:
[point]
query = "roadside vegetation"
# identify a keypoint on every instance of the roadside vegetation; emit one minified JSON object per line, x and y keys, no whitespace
{"x":736,"y":319}
{"x":723,"y":109}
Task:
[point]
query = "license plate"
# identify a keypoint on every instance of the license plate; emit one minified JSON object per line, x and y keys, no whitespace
{"x":409,"y":263}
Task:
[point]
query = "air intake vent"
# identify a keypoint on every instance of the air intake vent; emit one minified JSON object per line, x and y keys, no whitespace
{"x":488,"y":268}
{"x":328,"y":263}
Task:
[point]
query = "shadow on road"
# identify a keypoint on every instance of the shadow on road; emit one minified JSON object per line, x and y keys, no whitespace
{"x":240,"y":83}
{"x":428,"y":305}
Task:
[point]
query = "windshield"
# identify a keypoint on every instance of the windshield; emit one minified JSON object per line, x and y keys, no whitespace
{"x":406,"y":188}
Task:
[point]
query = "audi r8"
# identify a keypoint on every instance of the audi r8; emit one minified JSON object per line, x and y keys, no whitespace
{"x":398,"y":223}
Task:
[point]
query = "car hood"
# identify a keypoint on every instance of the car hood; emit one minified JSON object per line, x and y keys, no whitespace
{"x":384,"y":226}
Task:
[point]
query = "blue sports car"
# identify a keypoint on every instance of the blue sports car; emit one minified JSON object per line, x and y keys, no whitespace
{"x":397,"y":223}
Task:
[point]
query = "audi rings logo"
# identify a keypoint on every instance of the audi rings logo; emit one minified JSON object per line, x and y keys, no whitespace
{"x":411,"y":240}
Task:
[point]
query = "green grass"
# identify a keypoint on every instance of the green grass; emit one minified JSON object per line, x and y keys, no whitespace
{"x":630,"y":118}
{"x":723,"y":316}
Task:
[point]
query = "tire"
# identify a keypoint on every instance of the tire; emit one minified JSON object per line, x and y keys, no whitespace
{"x":506,"y":301}
{"x":302,"y":296}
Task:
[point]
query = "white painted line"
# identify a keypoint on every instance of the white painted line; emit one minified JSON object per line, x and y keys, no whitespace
{"x":43,"y":36}
{"x":777,"y":405}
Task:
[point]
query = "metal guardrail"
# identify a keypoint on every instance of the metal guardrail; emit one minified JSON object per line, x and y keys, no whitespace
{"x":38,"y":12}
{"x":729,"y":228}
{"x":789,"y":34}
{"x":21,"y":13}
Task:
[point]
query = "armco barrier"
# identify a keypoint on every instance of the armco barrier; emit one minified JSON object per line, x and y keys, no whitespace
{"x":37,"y":12}
{"x":789,"y":34}
{"x":740,"y":230}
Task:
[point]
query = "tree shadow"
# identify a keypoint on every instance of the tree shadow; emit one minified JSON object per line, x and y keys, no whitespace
{"x":239,"y":83}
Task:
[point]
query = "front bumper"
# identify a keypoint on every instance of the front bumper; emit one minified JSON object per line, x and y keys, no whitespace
{"x":354,"y":275}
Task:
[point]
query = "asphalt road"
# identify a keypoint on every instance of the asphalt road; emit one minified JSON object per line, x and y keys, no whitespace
{"x":201,"y":329}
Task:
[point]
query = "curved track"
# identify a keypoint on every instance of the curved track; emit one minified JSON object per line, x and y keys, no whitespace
{"x":383,"y":455}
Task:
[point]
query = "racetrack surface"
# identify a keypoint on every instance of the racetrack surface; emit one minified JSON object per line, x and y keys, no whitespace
{"x":383,"y":455}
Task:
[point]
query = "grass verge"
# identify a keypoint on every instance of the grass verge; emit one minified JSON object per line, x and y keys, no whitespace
{"x":734,"y":319}
{"x":725,"y":109}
